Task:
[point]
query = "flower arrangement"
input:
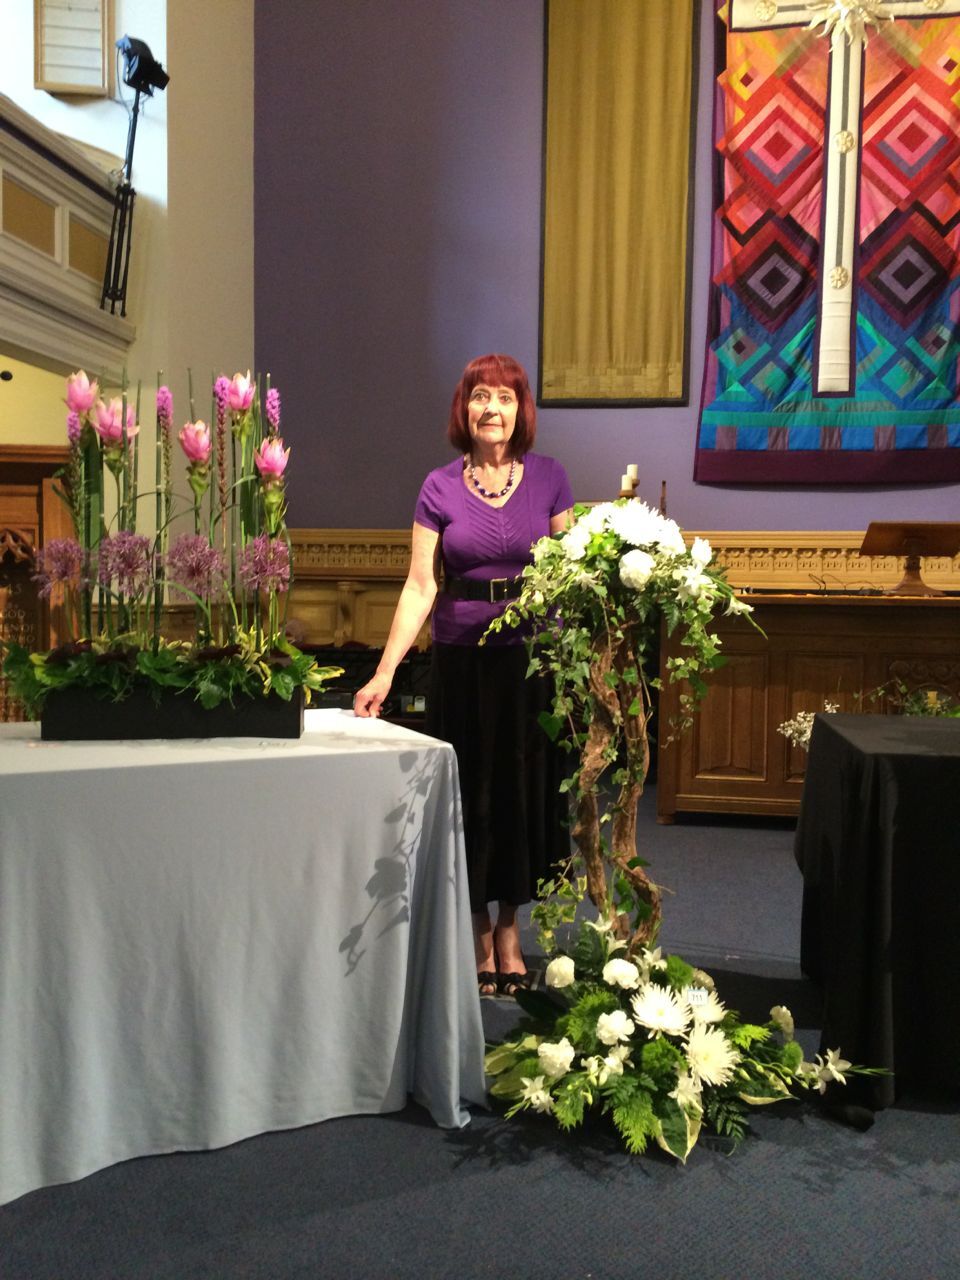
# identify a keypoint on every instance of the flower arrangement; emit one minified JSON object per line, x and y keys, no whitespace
{"x":798,"y":729}
{"x":592,"y":602}
{"x":232,"y":562}
{"x":894,"y":697}
{"x":645,"y":1038}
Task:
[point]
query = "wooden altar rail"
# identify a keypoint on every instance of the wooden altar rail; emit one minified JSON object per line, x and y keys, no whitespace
{"x":347,"y":581}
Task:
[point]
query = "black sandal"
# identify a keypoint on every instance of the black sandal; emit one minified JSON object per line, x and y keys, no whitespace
{"x":487,"y":978}
{"x":508,"y":984}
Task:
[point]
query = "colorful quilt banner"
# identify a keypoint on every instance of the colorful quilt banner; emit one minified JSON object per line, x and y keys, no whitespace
{"x":833,"y":351}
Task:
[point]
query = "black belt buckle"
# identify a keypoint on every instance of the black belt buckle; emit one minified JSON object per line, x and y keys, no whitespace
{"x":500,"y":589}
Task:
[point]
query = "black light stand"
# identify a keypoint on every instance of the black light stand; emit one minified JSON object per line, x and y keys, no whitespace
{"x":143,"y":74}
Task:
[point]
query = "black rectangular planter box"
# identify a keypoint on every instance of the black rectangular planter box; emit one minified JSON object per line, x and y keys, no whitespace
{"x":74,"y":715}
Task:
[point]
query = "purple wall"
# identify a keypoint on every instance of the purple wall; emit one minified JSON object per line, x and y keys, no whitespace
{"x":397,"y":204}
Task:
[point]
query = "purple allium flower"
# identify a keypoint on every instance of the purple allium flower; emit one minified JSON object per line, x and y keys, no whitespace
{"x":74,"y":427}
{"x":193,"y":565}
{"x":61,"y":560}
{"x":126,"y":558}
{"x":264,"y":564}
{"x":273,"y":409}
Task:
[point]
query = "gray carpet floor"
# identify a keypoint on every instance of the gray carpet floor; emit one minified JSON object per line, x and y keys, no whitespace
{"x":393,"y":1197}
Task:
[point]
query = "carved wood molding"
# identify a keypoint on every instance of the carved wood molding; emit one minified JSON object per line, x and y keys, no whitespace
{"x":768,"y":560}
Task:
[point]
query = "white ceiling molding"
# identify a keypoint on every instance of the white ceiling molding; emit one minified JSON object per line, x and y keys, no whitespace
{"x":49,"y":294}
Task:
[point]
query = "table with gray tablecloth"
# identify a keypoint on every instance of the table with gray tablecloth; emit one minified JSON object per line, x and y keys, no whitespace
{"x":205,"y":940}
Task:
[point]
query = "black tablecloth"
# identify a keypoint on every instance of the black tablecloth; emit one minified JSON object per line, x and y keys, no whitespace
{"x":878,"y":842}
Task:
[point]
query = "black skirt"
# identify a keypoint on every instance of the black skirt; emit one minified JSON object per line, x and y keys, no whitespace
{"x":514,"y":816}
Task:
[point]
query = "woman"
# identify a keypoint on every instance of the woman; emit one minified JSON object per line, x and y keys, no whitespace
{"x":477,"y":518}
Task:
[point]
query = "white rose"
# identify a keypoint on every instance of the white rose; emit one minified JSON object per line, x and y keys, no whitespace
{"x":636,"y":568}
{"x":614,"y":1027}
{"x":701,"y":553}
{"x":560,"y":972}
{"x":621,"y":973}
{"x":556,"y":1058}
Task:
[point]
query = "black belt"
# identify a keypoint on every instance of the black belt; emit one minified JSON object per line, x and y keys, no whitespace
{"x":492,"y":590}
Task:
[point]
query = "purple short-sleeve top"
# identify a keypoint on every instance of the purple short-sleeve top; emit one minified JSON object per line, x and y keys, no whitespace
{"x":480,"y":541}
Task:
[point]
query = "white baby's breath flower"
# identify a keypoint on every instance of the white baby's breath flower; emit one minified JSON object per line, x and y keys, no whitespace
{"x":709,"y":1010}
{"x":710,"y":1056}
{"x":536,"y":1094}
{"x":658,"y":1009}
{"x":782,"y":1016}
{"x":687,"y":1092}
{"x":556,"y":1058}
{"x":701,"y":552}
{"x":621,"y":973}
{"x":560,"y":972}
{"x":636,"y":569}
{"x":614,"y":1027}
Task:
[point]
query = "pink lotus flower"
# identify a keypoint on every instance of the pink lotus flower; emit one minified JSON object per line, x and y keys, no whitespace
{"x":196,"y":443}
{"x":271,"y":458}
{"x":81,"y":393}
{"x":109,"y":421}
{"x":240,"y":392}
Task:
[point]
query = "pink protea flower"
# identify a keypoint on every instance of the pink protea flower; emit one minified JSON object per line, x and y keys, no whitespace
{"x":264,"y":564}
{"x":127,"y":559}
{"x":273,"y":410}
{"x":109,"y":420}
{"x":61,"y":560}
{"x":74,"y":426}
{"x":271,"y":459}
{"x":81,"y":393}
{"x":240,"y":392}
{"x":193,"y":565}
{"x":195,"y":441}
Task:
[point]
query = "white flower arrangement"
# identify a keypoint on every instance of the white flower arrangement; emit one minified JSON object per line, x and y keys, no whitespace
{"x":666,"y":1060}
{"x":798,"y":729}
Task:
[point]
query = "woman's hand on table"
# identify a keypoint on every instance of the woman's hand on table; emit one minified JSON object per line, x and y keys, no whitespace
{"x":370,"y":698}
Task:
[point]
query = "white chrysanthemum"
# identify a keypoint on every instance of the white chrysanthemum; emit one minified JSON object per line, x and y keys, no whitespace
{"x":701,"y":553}
{"x":575,"y":541}
{"x":670,"y":538}
{"x":658,"y":1009}
{"x":634,"y":523}
{"x":597,"y":517}
{"x":536,"y":1094}
{"x":614,"y":1027}
{"x":687,"y":1092}
{"x":560,"y":972}
{"x":708,"y":1008}
{"x":782,"y":1016}
{"x":636,"y":569}
{"x":710,"y":1056}
{"x":621,"y":973}
{"x":556,"y":1058}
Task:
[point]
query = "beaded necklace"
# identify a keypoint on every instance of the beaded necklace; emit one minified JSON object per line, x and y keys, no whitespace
{"x":485,"y":493}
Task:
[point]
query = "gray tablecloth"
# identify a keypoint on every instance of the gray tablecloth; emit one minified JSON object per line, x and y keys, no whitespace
{"x":202,"y":941}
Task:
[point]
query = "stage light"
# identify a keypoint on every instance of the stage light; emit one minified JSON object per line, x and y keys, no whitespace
{"x":140,"y":68}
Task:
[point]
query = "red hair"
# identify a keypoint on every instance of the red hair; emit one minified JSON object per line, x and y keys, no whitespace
{"x":495,"y":371}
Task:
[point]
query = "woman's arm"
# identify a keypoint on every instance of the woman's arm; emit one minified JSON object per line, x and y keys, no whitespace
{"x":561,"y":521}
{"x":413,"y":609}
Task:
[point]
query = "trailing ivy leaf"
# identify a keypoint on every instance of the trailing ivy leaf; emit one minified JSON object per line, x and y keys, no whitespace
{"x":551,"y":725}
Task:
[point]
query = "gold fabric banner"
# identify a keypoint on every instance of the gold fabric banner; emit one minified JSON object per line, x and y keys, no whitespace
{"x":620,"y":79}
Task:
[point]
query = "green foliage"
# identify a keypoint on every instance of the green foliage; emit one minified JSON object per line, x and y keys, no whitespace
{"x":579,"y":1025}
{"x":636,"y":1121}
{"x":572,"y":1098}
{"x":661,"y":1060}
{"x":727,"y":1116}
{"x":679,"y":973}
{"x":743,"y":1035}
